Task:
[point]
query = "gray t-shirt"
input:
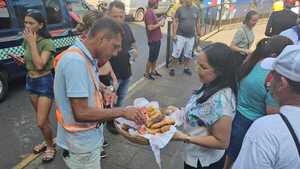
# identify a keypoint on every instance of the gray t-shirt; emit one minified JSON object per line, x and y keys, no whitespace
{"x":244,"y":37}
{"x":187,"y":18}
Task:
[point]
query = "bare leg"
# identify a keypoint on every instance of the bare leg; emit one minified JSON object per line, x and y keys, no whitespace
{"x":153,"y":66}
{"x":148,"y":68}
{"x":172,"y":65}
{"x":187,"y":66}
{"x":43,"y":122}
{"x":187,"y":62}
{"x":34,"y":101}
{"x":148,"y":71}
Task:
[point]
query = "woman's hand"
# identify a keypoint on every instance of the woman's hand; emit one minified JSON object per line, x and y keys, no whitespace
{"x":180,"y":136}
{"x":30,"y":37}
{"x":247,"y":51}
{"x":18,"y":60}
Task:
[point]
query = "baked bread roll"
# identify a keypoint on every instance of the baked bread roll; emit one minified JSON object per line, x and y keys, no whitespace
{"x":165,"y":128}
{"x":162,"y":123}
{"x":154,"y":119}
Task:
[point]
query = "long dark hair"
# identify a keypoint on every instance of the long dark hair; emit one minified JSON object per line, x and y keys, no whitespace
{"x":37,"y":15}
{"x":267,"y":47}
{"x":249,"y":16}
{"x":221,"y":58}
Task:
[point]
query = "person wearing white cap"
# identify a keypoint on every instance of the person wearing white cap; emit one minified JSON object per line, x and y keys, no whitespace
{"x":272,"y":142}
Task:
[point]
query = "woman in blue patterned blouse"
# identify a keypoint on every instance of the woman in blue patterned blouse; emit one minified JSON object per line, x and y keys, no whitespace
{"x":210,"y":110}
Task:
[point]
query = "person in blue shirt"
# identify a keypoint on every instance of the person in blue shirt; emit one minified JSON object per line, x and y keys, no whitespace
{"x":253,"y":101}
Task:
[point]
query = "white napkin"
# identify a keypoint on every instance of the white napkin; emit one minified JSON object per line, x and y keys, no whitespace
{"x":159,"y":141}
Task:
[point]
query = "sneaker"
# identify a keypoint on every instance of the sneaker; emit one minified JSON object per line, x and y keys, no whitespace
{"x":172,"y":72}
{"x":149,"y":76}
{"x":155,"y":73}
{"x":105,"y":144}
{"x":110,"y":126}
{"x":187,"y":71}
{"x":103,"y":154}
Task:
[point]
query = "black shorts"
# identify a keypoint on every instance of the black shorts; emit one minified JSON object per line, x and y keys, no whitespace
{"x":154,"y":48}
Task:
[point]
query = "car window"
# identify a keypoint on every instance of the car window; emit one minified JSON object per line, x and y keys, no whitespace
{"x":5,"y":19}
{"x":53,"y":11}
{"x":22,"y":6}
{"x":78,"y":6}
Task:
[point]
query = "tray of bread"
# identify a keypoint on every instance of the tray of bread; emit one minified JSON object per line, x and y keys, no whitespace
{"x":158,"y":123}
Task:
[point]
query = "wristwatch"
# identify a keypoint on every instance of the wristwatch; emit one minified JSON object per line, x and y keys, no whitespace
{"x":187,"y":140}
{"x":111,"y":88}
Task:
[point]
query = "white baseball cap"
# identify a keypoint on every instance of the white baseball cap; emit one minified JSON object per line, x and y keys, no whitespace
{"x":286,"y":64}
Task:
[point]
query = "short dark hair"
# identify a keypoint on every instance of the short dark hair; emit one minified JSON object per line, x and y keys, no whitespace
{"x":107,"y":24}
{"x":116,"y":4}
{"x":248,"y":16}
{"x":295,"y":86}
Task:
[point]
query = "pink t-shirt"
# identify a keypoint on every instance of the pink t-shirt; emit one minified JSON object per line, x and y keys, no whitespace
{"x":151,"y":19}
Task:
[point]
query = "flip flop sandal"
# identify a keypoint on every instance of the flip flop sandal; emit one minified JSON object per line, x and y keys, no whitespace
{"x":39,"y":148}
{"x":48,"y":156}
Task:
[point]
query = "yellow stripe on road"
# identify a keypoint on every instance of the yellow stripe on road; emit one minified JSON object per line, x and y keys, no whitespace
{"x":26,"y":161}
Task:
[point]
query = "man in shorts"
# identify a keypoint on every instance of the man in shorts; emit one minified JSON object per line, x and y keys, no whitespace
{"x":186,"y":24}
{"x":154,"y":35}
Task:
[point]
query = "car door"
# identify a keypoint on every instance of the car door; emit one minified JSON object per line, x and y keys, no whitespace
{"x":56,"y":16}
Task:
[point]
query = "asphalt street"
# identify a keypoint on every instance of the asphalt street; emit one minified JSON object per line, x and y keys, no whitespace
{"x":18,"y":131}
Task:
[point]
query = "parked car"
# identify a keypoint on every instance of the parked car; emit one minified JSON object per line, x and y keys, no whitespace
{"x":60,"y":25}
{"x":135,"y":8}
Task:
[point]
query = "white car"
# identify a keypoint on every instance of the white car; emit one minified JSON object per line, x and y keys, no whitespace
{"x":133,"y":8}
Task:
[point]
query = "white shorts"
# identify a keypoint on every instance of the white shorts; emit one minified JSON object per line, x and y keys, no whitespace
{"x":185,"y":44}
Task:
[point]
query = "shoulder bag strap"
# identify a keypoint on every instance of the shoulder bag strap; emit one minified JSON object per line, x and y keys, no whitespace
{"x":245,"y":32}
{"x":288,"y":124}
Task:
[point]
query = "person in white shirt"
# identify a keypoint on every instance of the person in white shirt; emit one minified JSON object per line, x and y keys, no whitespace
{"x":270,"y":143}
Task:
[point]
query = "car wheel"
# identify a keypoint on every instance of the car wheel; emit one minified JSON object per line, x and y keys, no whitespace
{"x":3,"y":86}
{"x":139,"y":15}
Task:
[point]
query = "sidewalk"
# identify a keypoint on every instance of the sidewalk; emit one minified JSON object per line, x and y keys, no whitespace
{"x":168,"y":91}
{"x":125,"y":155}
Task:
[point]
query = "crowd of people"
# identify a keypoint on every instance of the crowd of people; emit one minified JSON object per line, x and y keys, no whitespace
{"x":243,"y":116}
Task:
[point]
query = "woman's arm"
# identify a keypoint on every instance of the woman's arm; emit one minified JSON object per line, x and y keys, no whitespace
{"x":238,"y":49}
{"x":112,"y":75}
{"x":218,"y":139}
{"x":39,"y":60}
{"x":153,"y":26}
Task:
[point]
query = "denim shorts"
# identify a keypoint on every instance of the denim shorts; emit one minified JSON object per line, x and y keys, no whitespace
{"x":41,"y":86}
{"x":240,"y":126}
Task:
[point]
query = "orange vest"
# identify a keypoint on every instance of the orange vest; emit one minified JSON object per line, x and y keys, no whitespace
{"x":77,"y":127}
